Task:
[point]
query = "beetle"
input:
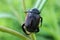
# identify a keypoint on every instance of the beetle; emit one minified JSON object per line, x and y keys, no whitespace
{"x":31,"y":24}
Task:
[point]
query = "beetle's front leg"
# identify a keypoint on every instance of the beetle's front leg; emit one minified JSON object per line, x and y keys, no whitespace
{"x":24,"y":29}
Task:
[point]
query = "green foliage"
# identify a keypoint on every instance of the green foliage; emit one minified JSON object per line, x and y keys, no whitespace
{"x":12,"y":16}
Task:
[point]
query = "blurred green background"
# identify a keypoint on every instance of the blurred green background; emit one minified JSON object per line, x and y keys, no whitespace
{"x":12,"y":16}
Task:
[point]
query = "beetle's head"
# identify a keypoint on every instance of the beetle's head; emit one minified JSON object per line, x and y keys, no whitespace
{"x":34,"y":11}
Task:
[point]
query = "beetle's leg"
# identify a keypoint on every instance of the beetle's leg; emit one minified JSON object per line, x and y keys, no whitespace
{"x":41,"y":19}
{"x":23,"y":28}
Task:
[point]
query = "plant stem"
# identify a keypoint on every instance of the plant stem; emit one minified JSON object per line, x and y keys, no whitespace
{"x":32,"y":36}
{"x":37,"y":4}
{"x":13,"y":32}
{"x":42,"y":4}
{"x":24,"y":6}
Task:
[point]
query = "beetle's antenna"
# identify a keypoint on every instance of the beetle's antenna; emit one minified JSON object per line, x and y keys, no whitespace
{"x":24,"y":6}
{"x":42,"y":4}
{"x":37,"y":4}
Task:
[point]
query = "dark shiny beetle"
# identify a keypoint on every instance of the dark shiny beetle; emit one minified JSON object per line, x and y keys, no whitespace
{"x":32,"y":21}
